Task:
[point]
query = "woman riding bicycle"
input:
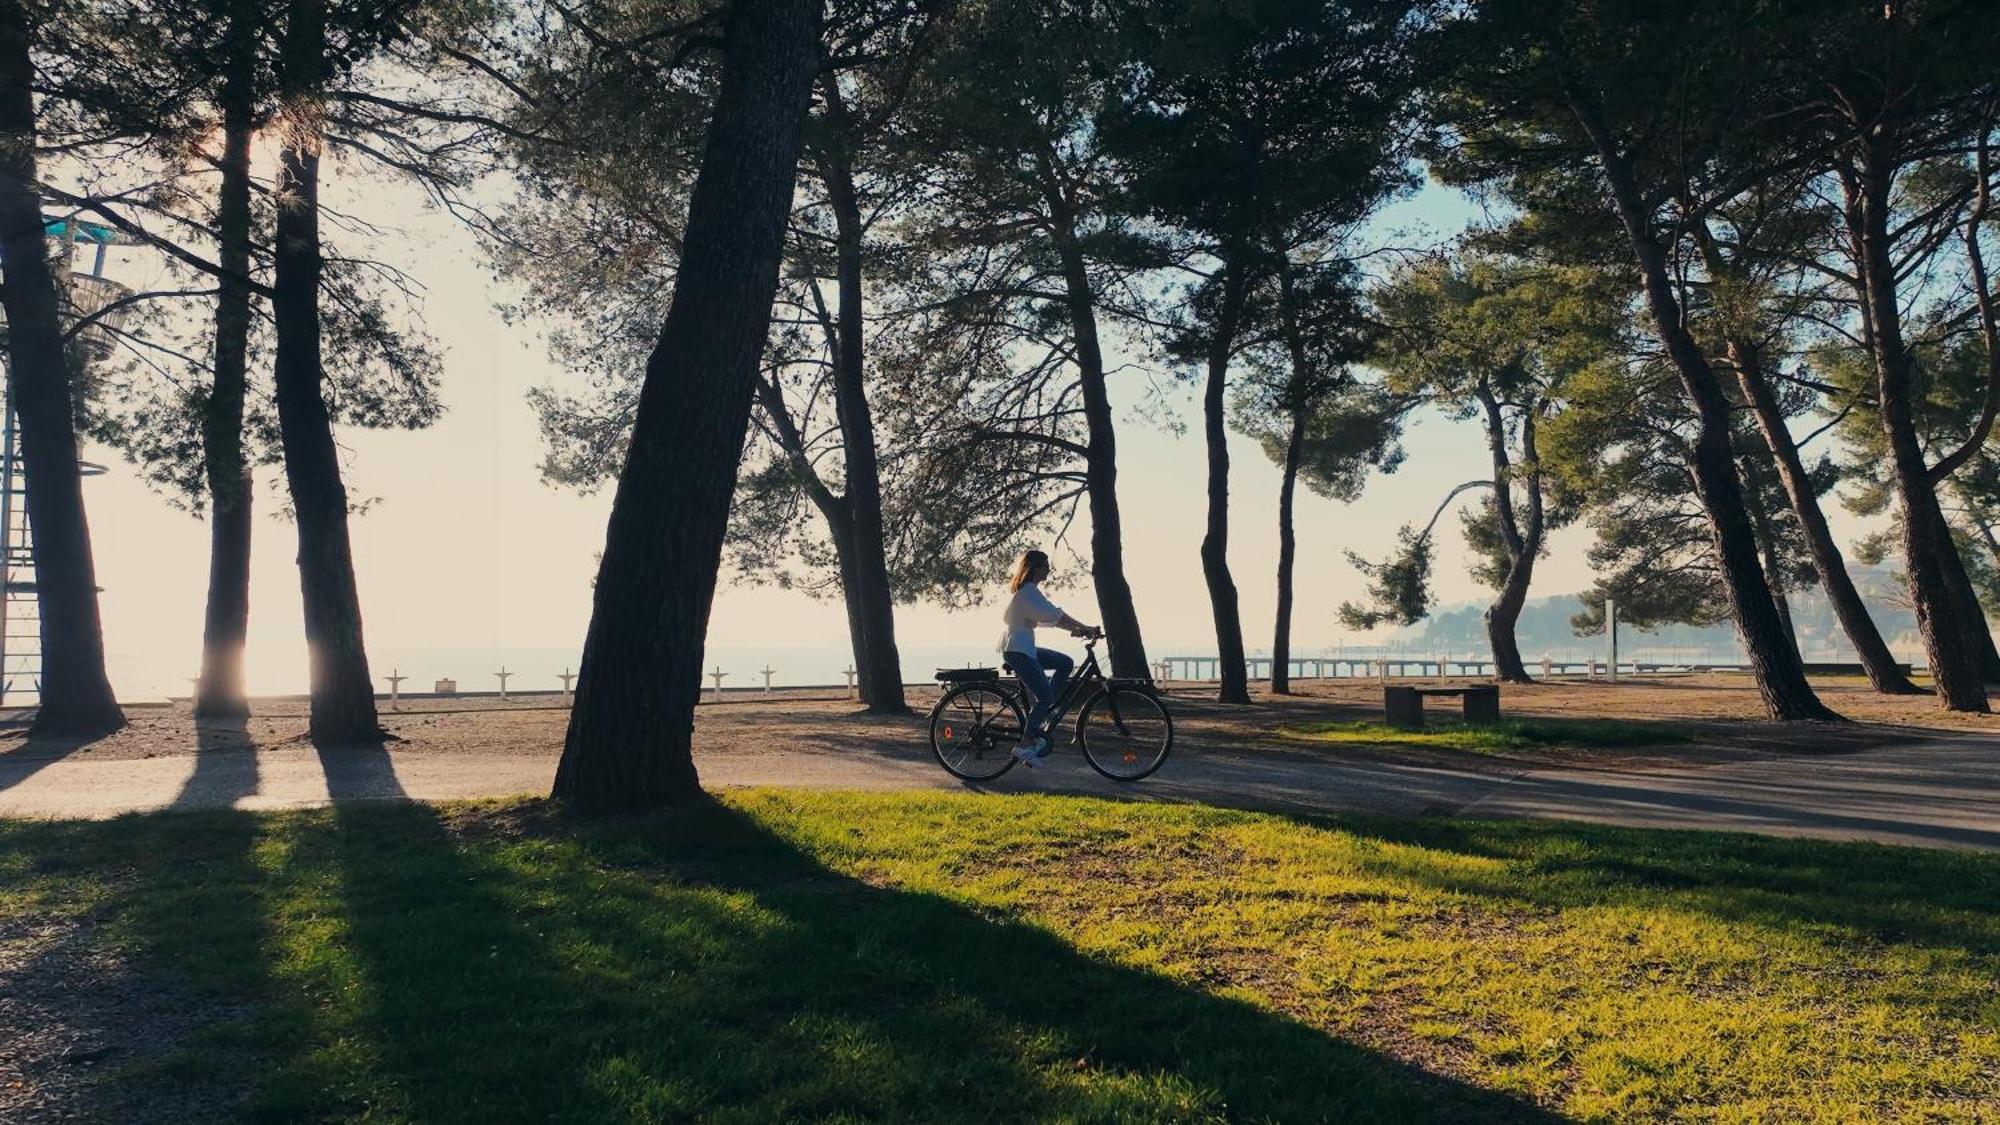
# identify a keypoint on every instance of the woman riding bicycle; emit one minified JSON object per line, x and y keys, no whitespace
{"x":1043,"y":671}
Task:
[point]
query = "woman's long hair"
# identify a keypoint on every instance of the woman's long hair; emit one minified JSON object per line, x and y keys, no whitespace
{"x":1024,"y":566}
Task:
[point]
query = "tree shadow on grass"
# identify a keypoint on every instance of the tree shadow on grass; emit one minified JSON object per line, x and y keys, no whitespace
{"x":696,"y":965}
{"x":1894,"y":896}
{"x":511,"y":965}
{"x":186,"y":890}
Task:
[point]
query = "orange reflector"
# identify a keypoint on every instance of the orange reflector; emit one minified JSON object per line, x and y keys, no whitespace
{"x":947,"y":732}
{"x":1130,"y":756}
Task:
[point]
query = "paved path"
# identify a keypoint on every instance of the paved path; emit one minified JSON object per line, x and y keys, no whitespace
{"x":1943,"y":792}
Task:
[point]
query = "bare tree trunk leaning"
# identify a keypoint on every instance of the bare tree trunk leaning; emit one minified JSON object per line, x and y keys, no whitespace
{"x":1976,"y":221}
{"x":1523,"y":545}
{"x":1281,"y":638}
{"x":1127,"y":649}
{"x":76,"y":698}
{"x":1955,"y":652}
{"x":1235,"y":686}
{"x":1855,"y":621}
{"x":220,"y":692}
{"x":1774,"y":572}
{"x":343,"y":695}
{"x":1781,"y":679}
{"x":631,"y":729}
{"x":1298,"y":402}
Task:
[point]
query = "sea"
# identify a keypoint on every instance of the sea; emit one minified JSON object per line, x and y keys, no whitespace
{"x":151,"y":677}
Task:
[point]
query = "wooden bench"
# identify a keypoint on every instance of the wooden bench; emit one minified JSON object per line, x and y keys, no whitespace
{"x":1403,"y":707}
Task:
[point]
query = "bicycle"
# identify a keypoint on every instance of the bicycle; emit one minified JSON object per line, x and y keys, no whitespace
{"x":1122,"y":725}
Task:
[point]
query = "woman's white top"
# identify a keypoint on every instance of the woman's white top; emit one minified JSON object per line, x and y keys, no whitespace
{"x":1028,"y":608}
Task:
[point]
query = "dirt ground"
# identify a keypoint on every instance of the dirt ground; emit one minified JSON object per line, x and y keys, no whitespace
{"x":1723,"y":711}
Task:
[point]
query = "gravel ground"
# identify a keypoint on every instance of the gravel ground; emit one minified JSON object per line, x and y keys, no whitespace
{"x":1724,"y":708}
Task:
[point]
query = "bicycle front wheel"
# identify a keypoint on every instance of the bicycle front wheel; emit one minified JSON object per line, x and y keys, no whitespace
{"x":1126,"y":733}
{"x":974,"y":730}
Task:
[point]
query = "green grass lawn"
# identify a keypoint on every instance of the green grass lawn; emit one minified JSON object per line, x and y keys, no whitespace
{"x":794,"y":956}
{"x":1502,"y":737}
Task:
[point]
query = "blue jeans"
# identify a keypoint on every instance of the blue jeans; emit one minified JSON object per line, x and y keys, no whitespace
{"x":1044,"y":675}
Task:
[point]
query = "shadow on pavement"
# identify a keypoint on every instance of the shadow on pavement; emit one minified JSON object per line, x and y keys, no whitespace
{"x":360,"y":771}
{"x":225,"y":765}
{"x":1826,"y":805}
{"x":35,"y":753}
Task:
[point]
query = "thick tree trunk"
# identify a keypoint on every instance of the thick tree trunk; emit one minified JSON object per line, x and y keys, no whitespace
{"x":1281,"y":638}
{"x":1952,"y":644}
{"x":631,"y":728}
{"x":1504,"y":615}
{"x":869,"y":597}
{"x":220,"y":693}
{"x":1503,"y":619}
{"x":1100,"y":467}
{"x":1872,"y":650}
{"x":76,"y":698}
{"x":343,"y":696}
{"x":1781,"y":680}
{"x":1235,"y":687}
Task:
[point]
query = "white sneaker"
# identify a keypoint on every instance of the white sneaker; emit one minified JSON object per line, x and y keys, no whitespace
{"x":1031,"y":754}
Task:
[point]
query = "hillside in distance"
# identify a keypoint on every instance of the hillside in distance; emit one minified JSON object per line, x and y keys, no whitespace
{"x":1546,"y":626}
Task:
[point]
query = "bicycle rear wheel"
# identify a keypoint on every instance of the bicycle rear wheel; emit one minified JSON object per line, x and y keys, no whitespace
{"x":974,"y":730}
{"x":1126,"y":733}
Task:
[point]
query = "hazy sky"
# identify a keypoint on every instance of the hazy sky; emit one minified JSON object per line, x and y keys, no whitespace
{"x":468,"y":559}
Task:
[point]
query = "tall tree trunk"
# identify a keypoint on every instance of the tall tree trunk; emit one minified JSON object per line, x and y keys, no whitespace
{"x":1954,"y":649}
{"x":1215,"y":544}
{"x":1781,"y":680}
{"x":1301,"y":394}
{"x":1869,"y":647}
{"x":631,"y":729}
{"x":1281,"y":638}
{"x":1774,"y":571}
{"x":833,"y":508}
{"x":76,"y":697}
{"x":869,"y":596}
{"x":1522,"y":546}
{"x":841,"y":530}
{"x":343,"y":696}
{"x":1100,"y":468}
{"x":220,"y":693}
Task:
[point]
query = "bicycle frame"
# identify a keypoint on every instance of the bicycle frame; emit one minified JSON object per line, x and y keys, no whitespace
{"x":1086,"y":681}
{"x":985,"y":731}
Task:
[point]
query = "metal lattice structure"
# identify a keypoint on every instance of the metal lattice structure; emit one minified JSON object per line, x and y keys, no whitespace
{"x":20,"y":605}
{"x":85,"y":296}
